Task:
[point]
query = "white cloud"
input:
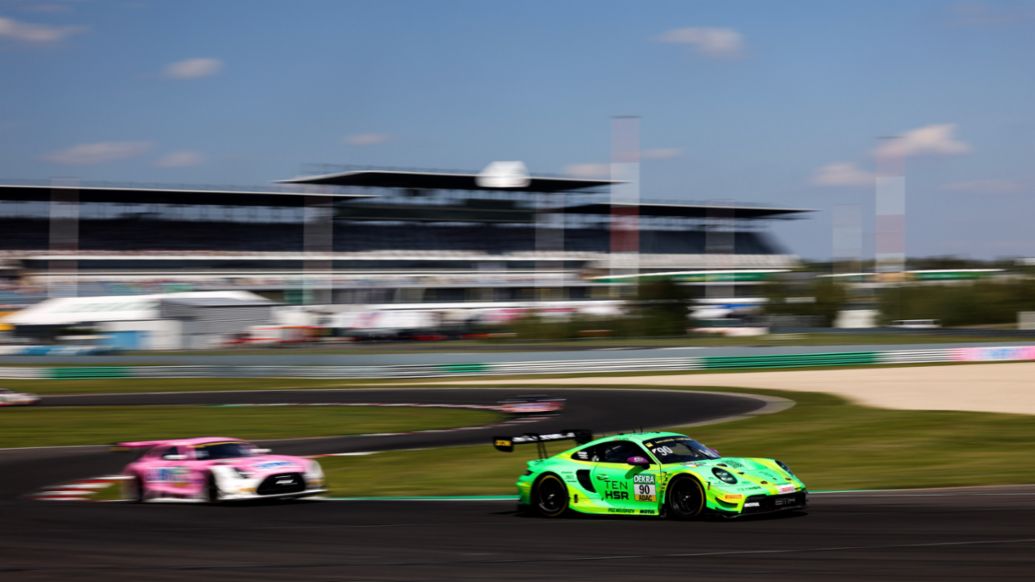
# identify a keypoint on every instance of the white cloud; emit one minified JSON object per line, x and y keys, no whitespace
{"x":51,"y":8}
{"x":708,"y":41}
{"x":935,"y":139}
{"x":35,"y":33}
{"x":365,"y":139}
{"x":180,"y":159}
{"x":990,"y":186}
{"x":660,"y":153}
{"x":588,"y":170}
{"x":842,"y":174}
{"x":192,"y":68}
{"x":98,"y":153}
{"x":989,"y":14}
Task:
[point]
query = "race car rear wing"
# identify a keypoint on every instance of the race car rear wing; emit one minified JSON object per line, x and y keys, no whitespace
{"x":505,"y":444}
{"x":137,"y":445}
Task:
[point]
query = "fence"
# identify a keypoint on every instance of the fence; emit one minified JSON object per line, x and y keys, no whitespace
{"x":970,"y":354}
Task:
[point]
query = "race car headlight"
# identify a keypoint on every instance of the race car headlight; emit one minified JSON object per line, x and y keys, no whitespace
{"x":785,"y":467}
{"x":241,"y":473}
{"x":724,"y":476}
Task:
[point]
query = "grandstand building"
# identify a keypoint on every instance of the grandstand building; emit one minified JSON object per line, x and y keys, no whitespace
{"x":369,"y":236}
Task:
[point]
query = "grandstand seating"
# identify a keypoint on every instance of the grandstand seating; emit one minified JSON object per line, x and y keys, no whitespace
{"x":120,"y":235}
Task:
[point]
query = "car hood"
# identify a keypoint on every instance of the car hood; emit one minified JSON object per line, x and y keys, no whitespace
{"x":751,"y":473}
{"x":266,"y":464}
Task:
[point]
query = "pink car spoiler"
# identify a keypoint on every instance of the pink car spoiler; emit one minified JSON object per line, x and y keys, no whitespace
{"x":131,"y":445}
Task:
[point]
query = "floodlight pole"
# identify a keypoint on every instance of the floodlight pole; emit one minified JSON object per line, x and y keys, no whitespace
{"x":318,"y":252}
{"x":847,"y":238}
{"x":719,"y":242}
{"x":64,"y":238}
{"x":890,"y":243}
{"x":625,"y":203}
{"x":890,"y":231}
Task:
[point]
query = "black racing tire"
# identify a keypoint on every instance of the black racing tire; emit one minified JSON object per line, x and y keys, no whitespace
{"x":213,"y":496}
{"x":549,"y":496}
{"x":135,"y":490}
{"x":684,"y":499}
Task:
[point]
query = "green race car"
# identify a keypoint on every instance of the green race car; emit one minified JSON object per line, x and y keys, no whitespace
{"x":651,"y":473}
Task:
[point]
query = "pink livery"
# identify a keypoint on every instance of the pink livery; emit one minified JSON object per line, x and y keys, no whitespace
{"x":217,"y":469}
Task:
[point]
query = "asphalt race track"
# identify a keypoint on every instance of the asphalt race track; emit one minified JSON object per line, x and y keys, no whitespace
{"x":953,"y":536}
{"x":982,"y":533}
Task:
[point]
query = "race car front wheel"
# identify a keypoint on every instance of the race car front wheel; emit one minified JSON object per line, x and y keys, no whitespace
{"x":685,"y":499}
{"x":212,"y":493}
{"x":550,"y":496}
{"x":135,"y":490}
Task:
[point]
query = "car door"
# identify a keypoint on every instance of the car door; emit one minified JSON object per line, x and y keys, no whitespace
{"x":623,"y":487}
{"x":169,"y":472}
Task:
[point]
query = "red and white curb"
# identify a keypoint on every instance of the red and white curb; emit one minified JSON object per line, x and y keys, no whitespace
{"x":82,"y":490}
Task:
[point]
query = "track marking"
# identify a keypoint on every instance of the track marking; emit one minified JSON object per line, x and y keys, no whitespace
{"x":81,"y":490}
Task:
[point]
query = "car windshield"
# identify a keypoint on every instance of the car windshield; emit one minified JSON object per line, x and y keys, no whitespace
{"x":680,"y":449}
{"x":226,"y":450}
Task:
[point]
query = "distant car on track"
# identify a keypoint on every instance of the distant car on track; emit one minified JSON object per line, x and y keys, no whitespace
{"x":916,"y":324}
{"x":217,"y":469}
{"x":532,"y":404}
{"x":652,"y":473}
{"x":12,"y":398}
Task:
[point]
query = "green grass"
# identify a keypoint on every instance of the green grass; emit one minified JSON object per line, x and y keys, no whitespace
{"x":829,"y":442}
{"x":135,"y":385}
{"x":26,"y":427}
{"x":111,"y":492}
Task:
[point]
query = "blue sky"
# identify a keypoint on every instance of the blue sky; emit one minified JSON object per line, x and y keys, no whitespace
{"x":768,"y":102}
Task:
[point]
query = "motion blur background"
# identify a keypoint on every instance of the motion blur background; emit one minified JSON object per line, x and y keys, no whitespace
{"x":684,"y":169}
{"x":274,"y":220}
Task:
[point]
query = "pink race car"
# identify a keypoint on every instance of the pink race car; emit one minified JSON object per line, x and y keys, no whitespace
{"x":216,"y":469}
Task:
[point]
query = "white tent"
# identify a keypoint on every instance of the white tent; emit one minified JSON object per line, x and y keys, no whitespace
{"x":67,"y":311}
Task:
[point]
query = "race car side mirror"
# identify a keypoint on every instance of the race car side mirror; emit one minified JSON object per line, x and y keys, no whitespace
{"x":638,"y":461}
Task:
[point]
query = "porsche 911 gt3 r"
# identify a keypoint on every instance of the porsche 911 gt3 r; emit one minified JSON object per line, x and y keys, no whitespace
{"x":653,"y":473}
{"x":217,"y":469}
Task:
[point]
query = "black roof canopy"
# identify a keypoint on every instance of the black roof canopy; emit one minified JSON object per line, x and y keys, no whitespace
{"x":659,"y":209}
{"x":165,"y":195}
{"x":420,"y":180}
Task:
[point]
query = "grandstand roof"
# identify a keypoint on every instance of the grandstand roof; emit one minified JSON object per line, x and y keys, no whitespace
{"x":423,"y":180}
{"x":691,"y":210}
{"x":166,"y":195}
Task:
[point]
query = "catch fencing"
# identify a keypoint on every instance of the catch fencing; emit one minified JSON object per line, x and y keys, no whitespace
{"x":586,"y":366}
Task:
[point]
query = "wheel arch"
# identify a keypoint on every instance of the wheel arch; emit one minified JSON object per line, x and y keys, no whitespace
{"x":686,"y":476}
{"x":534,"y":491}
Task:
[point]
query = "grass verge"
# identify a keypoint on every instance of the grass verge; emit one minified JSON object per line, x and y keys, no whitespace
{"x":829,"y":442}
{"x":28,"y":427}
{"x":137,"y":385}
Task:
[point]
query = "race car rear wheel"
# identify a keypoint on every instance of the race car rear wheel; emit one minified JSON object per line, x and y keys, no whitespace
{"x":550,"y":496}
{"x":684,"y":499}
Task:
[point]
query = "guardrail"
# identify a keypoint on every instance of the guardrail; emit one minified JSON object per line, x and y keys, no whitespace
{"x":753,"y":362}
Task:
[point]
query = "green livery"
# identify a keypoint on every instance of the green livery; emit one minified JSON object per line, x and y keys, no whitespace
{"x":652,"y":473}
